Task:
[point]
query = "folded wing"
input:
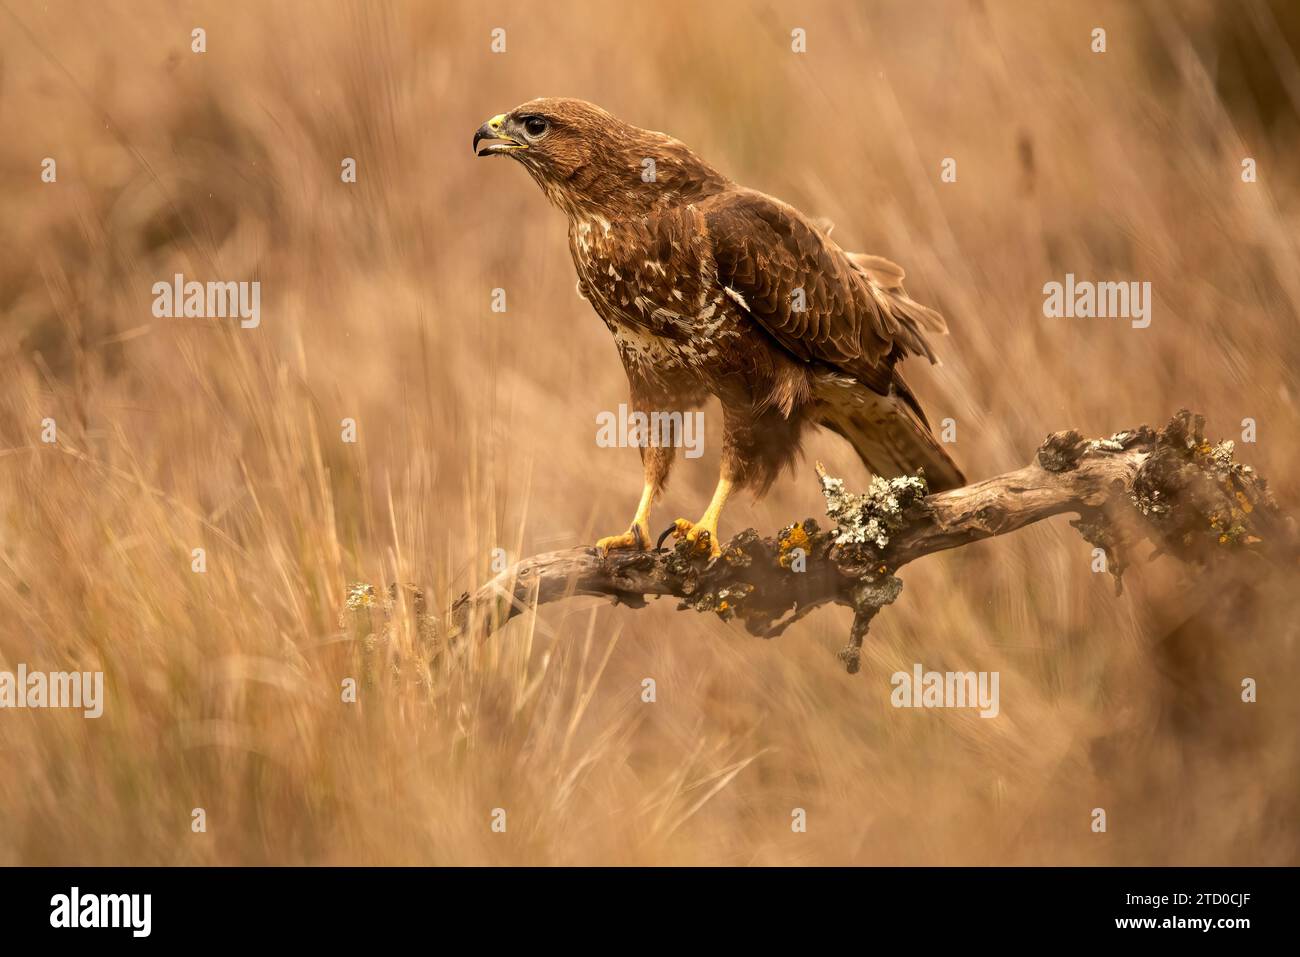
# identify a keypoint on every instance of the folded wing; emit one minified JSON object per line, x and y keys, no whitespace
{"x":819,"y":302}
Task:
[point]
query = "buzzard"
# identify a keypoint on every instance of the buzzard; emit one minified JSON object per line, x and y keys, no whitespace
{"x":710,"y":288}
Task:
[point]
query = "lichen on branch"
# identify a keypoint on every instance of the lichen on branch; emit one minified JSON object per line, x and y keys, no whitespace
{"x":1172,"y":487}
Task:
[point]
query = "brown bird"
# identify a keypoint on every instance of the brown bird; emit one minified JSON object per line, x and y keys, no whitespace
{"x":713,"y":289}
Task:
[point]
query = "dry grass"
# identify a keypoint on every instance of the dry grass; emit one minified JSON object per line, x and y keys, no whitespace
{"x":477,"y":432}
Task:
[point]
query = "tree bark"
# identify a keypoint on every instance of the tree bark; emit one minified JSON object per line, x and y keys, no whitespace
{"x":1171,"y":487}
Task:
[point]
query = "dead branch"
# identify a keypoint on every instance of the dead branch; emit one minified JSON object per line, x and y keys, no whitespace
{"x":1170,"y":487}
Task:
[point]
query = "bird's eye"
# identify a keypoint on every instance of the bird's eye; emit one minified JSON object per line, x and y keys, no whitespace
{"x":535,"y":126}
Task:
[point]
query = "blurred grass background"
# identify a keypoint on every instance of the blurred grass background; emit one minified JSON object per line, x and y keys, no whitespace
{"x":477,"y":432}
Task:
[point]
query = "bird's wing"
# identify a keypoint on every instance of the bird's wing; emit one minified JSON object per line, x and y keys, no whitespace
{"x":885,"y":274}
{"x":854,"y":315}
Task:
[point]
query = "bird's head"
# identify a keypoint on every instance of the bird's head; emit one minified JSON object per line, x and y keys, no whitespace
{"x":588,"y":161}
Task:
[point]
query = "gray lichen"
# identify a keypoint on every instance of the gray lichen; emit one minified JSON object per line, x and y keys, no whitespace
{"x":360,"y":596}
{"x":871,"y":517}
{"x":1112,"y":444}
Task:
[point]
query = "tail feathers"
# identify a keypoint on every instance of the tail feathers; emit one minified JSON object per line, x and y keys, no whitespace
{"x":908,"y":319}
{"x":892,"y":439}
{"x":884,"y":273}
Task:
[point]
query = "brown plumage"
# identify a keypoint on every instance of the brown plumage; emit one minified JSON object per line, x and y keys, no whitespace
{"x":710,"y":288}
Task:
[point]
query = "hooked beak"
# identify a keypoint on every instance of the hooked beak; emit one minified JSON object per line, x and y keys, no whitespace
{"x":495,"y":129}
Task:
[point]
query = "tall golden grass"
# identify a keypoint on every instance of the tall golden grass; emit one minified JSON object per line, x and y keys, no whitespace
{"x":477,"y":432}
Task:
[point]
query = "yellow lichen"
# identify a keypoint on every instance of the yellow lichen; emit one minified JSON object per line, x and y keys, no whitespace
{"x":794,"y":537}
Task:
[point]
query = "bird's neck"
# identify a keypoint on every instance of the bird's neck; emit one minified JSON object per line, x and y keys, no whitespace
{"x":634,"y":191}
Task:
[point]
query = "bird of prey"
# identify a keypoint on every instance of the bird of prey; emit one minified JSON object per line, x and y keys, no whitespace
{"x":710,"y":288}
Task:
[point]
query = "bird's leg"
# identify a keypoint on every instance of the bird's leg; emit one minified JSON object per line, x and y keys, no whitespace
{"x":638,"y":534}
{"x":656,"y":462}
{"x":709,"y":520}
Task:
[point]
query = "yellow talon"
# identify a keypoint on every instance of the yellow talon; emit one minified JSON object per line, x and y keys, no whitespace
{"x":691,"y":531}
{"x":637,"y":536}
{"x":708,"y":523}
